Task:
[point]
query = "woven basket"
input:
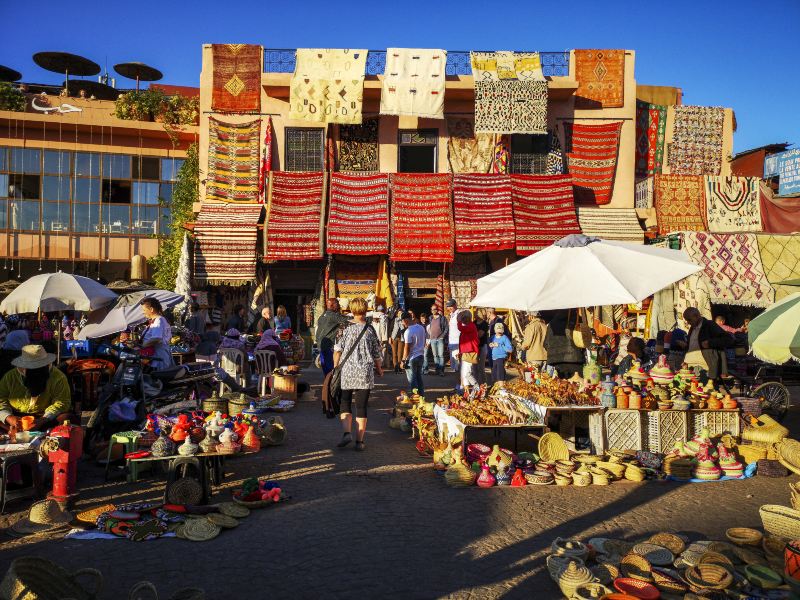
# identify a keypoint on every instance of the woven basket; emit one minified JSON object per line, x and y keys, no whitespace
{"x":711,"y":557}
{"x":228,"y":449}
{"x":600,"y":477}
{"x":275,"y":434}
{"x":670,"y":541}
{"x":557,"y":563}
{"x":552,"y":447}
{"x":617,"y":470}
{"x":668,"y":581}
{"x":563,"y":480}
{"x":771,"y":468}
{"x":459,"y":475}
{"x":708,"y":577}
{"x":186,"y":490}
{"x":750,"y":454}
{"x":581,"y":479}
{"x":636,"y":567}
{"x":780,"y":521}
{"x":744,"y":536}
{"x":34,"y":578}
{"x":606,"y":572}
{"x":237,"y":405}
{"x":765,"y":430}
{"x":214,"y":404}
{"x":634,"y":473}
{"x":788,"y":453}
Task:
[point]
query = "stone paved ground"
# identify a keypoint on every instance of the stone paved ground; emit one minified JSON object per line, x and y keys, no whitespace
{"x":383,"y":524}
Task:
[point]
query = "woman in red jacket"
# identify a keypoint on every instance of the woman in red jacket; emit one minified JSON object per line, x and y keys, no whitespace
{"x":468,"y":348}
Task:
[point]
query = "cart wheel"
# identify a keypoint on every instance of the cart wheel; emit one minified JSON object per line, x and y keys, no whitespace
{"x":776,"y":399}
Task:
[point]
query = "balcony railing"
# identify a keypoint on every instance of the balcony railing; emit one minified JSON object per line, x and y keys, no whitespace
{"x":282,"y":60}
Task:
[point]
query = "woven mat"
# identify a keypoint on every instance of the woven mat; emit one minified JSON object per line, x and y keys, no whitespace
{"x":680,"y":203}
{"x":696,"y":147}
{"x":601,"y":78}
{"x":732,"y":203}
{"x":593,"y":160}
{"x":358,"y":147}
{"x":732,"y":267}
{"x":780,"y":257}
{"x":467,"y":151}
{"x":225,"y":244}
{"x":358,"y":215}
{"x":232,"y":161}
{"x":611,"y":224}
{"x":422,"y":221}
{"x":327,"y":85}
{"x":413,"y":83}
{"x":484,"y":219}
{"x":293,"y":225}
{"x":651,"y":124}
{"x":236,"y":86}
{"x":544,"y":210}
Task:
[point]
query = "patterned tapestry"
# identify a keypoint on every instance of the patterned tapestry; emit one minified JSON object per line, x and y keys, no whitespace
{"x":502,"y":155}
{"x":544,"y":210}
{"x":696,"y":147}
{"x":680,"y":203}
{"x":266,"y":159}
{"x":358,"y":216}
{"x":358,"y":147}
{"x":601,"y":78}
{"x":327,"y":85}
{"x":555,"y":156}
{"x":690,"y":292}
{"x":780,"y":256}
{"x":484,"y":218}
{"x":732,"y":267}
{"x":732,"y":203}
{"x":779,"y":215}
{"x":225,"y":244}
{"x":643,"y":193}
{"x":413,"y":83}
{"x":467,"y":151}
{"x":236,"y":86}
{"x":422,"y":220}
{"x":294,"y":222}
{"x":355,"y":278}
{"x":611,"y":224}
{"x":464,"y":274}
{"x":593,"y":160}
{"x":233,"y":165}
{"x":651,"y":124}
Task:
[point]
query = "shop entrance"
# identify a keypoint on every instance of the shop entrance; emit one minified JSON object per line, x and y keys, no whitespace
{"x":295,"y":301}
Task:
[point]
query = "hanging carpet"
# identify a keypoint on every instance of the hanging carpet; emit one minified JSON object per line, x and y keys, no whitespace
{"x":593,"y":161}
{"x":619,"y":224}
{"x":236,"y":86}
{"x":732,"y":203}
{"x":680,"y":203}
{"x":358,"y":216}
{"x":643,"y":193}
{"x":413,"y":83}
{"x":484,"y":218}
{"x":422,"y":220}
{"x":779,"y":215}
{"x":555,"y":156}
{"x":464,"y":274}
{"x":601,"y":78}
{"x":233,"y":167}
{"x":544,"y":210}
{"x":467,"y":151}
{"x":225,"y":244}
{"x":690,"y":292}
{"x":696,"y":147}
{"x":358,"y":147}
{"x":355,"y":278}
{"x":327,"y":85}
{"x":780,"y":257}
{"x":651,"y":124}
{"x":294,"y":219}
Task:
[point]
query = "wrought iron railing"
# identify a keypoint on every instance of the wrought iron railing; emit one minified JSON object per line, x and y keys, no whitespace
{"x":282,"y":60}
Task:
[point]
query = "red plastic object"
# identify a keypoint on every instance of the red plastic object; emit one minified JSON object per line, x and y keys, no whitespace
{"x":138,"y":454}
{"x":637,"y":588}
{"x":65,"y":461}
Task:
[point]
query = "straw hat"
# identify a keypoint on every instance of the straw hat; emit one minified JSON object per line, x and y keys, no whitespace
{"x":33,"y":356}
{"x":45,"y":515}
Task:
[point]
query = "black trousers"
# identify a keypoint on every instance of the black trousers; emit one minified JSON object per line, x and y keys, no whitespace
{"x":498,"y":369}
{"x":357,"y":397}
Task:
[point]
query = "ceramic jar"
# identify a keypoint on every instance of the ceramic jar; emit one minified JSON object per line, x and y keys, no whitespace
{"x":503,"y":477}
{"x":251,"y":442}
{"x":607,"y":398}
{"x":163,"y":446}
{"x":622,"y":398}
{"x":486,"y":479}
{"x":635,"y":400}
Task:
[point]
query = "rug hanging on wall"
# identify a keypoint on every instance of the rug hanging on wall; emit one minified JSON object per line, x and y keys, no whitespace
{"x":696,"y":147}
{"x":732,"y":203}
{"x":355,"y":278}
{"x":358,"y":215}
{"x":225,"y":244}
{"x":680,"y":203}
{"x":619,"y":224}
{"x":780,"y":256}
{"x":464,"y":274}
{"x":643,"y":193}
{"x":327,"y":85}
{"x":544,"y":210}
{"x":555,"y":156}
{"x":413,"y":83}
{"x":484,"y":218}
{"x":692,"y":291}
{"x":593,"y":161}
{"x":651,"y":124}
{"x":422,"y":220}
{"x":601,"y":78}
{"x":358,"y":147}
{"x":233,"y":161}
{"x":467,"y":151}
{"x":294,"y":220}
{"x":732,"y":267}
{"x":236,"y":86}
{"x":779,"y":215}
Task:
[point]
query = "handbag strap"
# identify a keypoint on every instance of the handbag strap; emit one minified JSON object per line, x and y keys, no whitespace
{"x":353,"y":347}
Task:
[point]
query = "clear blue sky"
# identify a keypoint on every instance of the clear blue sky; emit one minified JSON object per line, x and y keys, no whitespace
{"x":737,"y":53}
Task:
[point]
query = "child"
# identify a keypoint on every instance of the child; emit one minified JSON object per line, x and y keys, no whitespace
{"x":501,"y":349}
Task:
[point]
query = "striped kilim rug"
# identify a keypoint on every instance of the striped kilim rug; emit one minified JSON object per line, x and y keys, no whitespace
{"x":233,"y":161}
{"x":483,"y":215}
{"x":358,"y":216}
{"x":225,"y":244}
{"x":680,"y":203}
{"x":544,"y":210}
{"x":422,"y":220}
{"x":593,"y":161}
{"x":651,"y":125}
{"x":294,"y":220}
{"x":611,"y":224}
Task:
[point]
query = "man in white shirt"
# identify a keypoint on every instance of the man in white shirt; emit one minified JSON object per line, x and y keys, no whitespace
{"x":414,"y":339}
{"x":453,"y":333}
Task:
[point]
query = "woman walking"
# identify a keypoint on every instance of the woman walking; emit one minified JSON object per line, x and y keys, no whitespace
{"x":468,"y":348}
{"x":396,"y":339}
{"x":359,"y":352}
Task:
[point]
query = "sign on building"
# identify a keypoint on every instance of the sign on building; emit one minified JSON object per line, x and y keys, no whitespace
{"x":789,"y":172}
{"x":771,"y":165}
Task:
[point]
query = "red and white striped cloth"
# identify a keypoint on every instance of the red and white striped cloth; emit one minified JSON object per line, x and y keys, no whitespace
{"x":293,"y":225}
{"x":358,"y":217}
{"x":484,"y":218}
{"x":422,"y":220}
{"x":225,"y":243}
{"x":593,"y":161}
{"x":544,"y":210}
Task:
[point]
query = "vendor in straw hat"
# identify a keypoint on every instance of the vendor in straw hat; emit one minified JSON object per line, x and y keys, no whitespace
{"x":34,"y":389}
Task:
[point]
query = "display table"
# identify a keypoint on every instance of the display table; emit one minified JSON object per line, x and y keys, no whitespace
{"x":208,"y":466}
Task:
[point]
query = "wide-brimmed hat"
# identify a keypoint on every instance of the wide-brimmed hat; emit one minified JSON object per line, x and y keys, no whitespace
{"x":33,"y":356}
{"x":44,"y":515}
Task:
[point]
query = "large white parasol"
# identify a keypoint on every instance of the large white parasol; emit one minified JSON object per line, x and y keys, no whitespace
{"x":56,"y":292}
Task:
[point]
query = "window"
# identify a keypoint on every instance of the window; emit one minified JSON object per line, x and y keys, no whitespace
{"x":145,"y":220}
{"x":86,"y":190}
{"x":25,"y":215}
{"x":55,"y":216}
{"x":57,"y":162}
{"x":146,"y":167}
{"x":116,"y":191}
{"x":4,"y":186}
{"x":26,"y":160}
{"x":529,"y":154}
{"x":170,"y":168}
{"x":166,"y":216}
{"x":117,"y":219}
{"x":165,"y":193}
{"x":3,"y":159}
{"x":87,"y":165}
{"x":416,"y":152}
{"x":116,"y":166}
{"x":23,"y":187}
{"x":85,"y":217}
{"x":145,"y":193}
{"x":304,"y":149}
{"x":3,"y":214}
{"x":55,"y":188}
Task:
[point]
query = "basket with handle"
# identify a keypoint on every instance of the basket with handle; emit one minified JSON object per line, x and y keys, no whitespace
{"x":788,"y":453}
{"x":35,"y":578}
{"x":750,"y":453}
{"x":780,"y":521}
{"x":764,"y":431}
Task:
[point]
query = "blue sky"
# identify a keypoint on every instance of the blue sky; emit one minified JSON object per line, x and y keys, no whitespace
{"x":737,"y":53}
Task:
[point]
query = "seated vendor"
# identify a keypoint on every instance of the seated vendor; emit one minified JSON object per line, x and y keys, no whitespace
{"x":269,"y":341}
{"x":636,"y":352}
{"x":34,"y":388}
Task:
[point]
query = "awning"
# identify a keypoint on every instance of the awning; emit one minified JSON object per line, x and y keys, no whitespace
{"x":225,"y":244}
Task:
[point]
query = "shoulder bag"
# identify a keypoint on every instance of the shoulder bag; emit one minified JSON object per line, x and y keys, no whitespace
{"x":332,"y":385}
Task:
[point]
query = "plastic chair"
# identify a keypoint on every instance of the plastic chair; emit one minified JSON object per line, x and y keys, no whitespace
{"x":28,"y":461}
{"x":130,"y":441}
{"x":234,"y":363}
{"x":266,"y":363}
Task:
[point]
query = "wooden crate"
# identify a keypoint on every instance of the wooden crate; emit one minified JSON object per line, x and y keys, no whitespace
{"x":285,"y":386}
{"x":624,"y":429}
{"x":664,"y":428}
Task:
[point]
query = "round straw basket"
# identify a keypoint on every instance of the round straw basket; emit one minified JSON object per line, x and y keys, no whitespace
{"x":750,"y":453}
{"x":637,"y":567}
{"x":33,"y":578}
{"x":617,"y":470}
{"x":788,"y":453}
{"x":744,"y":536}
{"x":237,"y":405}
{"x":634,"y":473}
{"x":708,"y":577}
{"x":212,"y":405}
{"x":552,"y":448}
{"x":780,"y":521}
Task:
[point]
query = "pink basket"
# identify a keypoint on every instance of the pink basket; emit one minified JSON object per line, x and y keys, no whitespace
{"x":478,"y":452}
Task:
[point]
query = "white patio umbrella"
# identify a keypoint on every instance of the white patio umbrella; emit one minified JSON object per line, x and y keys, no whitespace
{"x":55,"y":292}
{"x":126,"y":311}
{"x":579,"y":271}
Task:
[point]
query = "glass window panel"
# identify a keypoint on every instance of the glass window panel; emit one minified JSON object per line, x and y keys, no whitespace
{"x":85,"y":217}
{"x":117,"y":166}
{"x":116,"y":191}
{"x":3,"y":214}
{"x":145,"y":220}
{"x":166,"y":219}
{"x":165,"y":193}
{"x":3,"y":186}
{"x":86,"y":190}
{"x":23,"y":187}
{"x":57,"y":162}
{"x":55,"y":188}
{"x":87,"y":164}
{"x":26,"y":160}
{"x":145,"y":193}
{"x":146,"y":167}
{"x":3,"y":159}
{"x":116,"y":219}
{"x":25,"y":215}
{"x":170,"y":168}
{"x":55,"y":216}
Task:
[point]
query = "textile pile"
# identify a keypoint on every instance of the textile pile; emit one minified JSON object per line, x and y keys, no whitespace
{"x":601,"y":78}
{"x":464,"y":274}
{"x":358,"y":147}
{"x":237,"y":78}
{"x":619,"y":224}
{"x":544,"y":210}
{"x":293,"y":225}
{"x":327,"y":85}
{"x":232,"y":161}
{"x":680,"y":203}
{"x":413,"y":83}
{"x":225,"y":244}
{"x":651,"y":124}
{"x":422,"y":221}
{"x":484,"y":219}
{"x":467,"y":151}
{"x":732,"y":203}
{"x":358,"y":216}
{"x":696,"y":147}
{"x":593,"y":161}
{"x":780,"y":257}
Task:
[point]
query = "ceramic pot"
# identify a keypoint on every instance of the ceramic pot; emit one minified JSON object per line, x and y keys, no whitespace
{"x":518,"y":480}
{"x":503,"y":477}
{"x":251,"y":442}
{"x":622,"y":399}
{"x":791,"y":561}
{"x":486,"y":479}
{"x":163,"y":446}
{"x":635,"y":400}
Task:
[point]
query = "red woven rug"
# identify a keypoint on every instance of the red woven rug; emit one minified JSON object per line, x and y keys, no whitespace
{"x":601,"y":78}
{"x":358,"y":217}
{"x":593,"y":161}
{"x":225,"y":244}
{"x":422,"y":221}
{"x":237,"y":78}
{"x":483,"y":214}
{"x":680,"y":203}
{"x":233,"y":167}
{"x":293,"y":225}
{"x":544,"y":210}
